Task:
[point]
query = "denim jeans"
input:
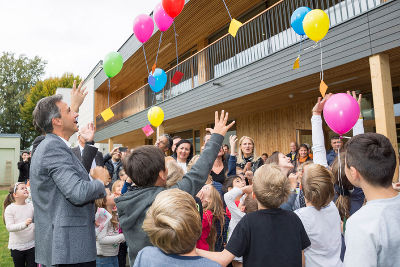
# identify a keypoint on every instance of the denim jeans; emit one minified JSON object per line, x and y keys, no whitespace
{"x":111,"y":261}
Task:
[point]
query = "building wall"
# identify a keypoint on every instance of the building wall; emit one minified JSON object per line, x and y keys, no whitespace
{"x":9,"y":157}
{"x":274,"y":130}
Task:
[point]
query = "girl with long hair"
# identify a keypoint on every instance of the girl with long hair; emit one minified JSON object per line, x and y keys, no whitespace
{"x":18,"y":218}
{"x":213,"y":212}
{"x":109,"y":238}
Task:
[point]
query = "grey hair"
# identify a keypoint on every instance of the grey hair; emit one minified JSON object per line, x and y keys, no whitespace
{"x":45,"y":111}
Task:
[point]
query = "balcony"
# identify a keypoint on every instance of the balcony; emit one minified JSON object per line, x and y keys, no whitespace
{"x":262,"y":36}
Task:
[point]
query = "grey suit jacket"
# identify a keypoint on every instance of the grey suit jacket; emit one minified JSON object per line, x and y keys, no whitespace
{"x":63,"y":196}
{"x":88,"y":154}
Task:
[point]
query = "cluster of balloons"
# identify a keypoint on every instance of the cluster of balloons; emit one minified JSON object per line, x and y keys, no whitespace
{"x":313,"y":23}
{"x":143,"y":27}
{"x":164,"y":14}
{"x":341,"y":112}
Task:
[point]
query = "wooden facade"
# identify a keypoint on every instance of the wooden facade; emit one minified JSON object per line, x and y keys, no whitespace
{"x":273,"y":130}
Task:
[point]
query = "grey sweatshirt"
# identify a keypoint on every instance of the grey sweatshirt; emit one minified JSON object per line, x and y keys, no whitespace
{"x":133,"y":205}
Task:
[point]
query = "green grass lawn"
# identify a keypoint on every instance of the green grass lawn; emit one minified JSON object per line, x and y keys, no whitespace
{"x":5,"y":257}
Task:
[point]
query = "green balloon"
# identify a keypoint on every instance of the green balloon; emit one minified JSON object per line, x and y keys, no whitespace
{"x":112,"y":64}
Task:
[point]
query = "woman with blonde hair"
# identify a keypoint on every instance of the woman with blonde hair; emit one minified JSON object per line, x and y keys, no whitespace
{"x":213,"y":212}
{"x":247,"y":158}
{"x":320,"y":218}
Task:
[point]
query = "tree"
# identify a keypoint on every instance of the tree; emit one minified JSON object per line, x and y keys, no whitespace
{"x":41,"y":89}
{"x":17,"y":76}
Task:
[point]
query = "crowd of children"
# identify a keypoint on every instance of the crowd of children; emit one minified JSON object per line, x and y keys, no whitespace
{"x":272,"y":213}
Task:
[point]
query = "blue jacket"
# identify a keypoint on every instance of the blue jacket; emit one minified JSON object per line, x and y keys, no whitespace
{"x":330,"y":156}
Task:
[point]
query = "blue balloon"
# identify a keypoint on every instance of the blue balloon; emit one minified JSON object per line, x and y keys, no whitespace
{"x":296,"y":20}
{"x":158,"y":80}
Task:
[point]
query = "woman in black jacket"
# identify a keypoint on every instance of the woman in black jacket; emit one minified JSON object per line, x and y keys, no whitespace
{"x":23,"y":167}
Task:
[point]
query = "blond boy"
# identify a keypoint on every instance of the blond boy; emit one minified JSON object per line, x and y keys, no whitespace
{"x":173,"y":225}
{"x":270,"y":236}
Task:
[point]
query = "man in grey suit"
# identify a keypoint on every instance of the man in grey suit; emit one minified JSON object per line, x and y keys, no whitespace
{"x":62,"y":191}
{"x":86,"y":151}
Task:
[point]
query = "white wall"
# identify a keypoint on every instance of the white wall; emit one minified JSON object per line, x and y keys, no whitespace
{"x":86,"y":111}
{"x":9,"y":156}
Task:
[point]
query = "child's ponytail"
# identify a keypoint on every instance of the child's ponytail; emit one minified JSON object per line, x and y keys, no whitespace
{"x":9,"y":199}
{"x":343,"y":205}
{"x":342,"y":187}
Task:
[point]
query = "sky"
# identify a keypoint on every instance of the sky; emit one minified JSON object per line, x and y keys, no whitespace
{"x":71,"y":35}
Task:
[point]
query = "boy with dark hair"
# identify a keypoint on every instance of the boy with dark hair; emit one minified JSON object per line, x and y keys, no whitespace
{"x":373,"y":232}
{"x":146,"y":167}
{"x":270,"y":236}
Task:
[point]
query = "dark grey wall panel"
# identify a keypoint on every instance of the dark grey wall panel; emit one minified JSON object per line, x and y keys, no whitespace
{"x":344,"y":43}
{"x":385,"y":27}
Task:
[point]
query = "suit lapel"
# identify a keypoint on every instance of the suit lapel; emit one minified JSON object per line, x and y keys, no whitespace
{"x":80,"y":167}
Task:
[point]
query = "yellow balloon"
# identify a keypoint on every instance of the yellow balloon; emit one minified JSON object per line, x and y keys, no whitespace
{"x":316,"y":24}
{"x":155,"y":116}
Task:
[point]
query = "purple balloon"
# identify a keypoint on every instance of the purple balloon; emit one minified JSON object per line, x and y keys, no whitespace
{"x":143,"y":27}
{"x":341,"y":113}
{"x":161,"y":18}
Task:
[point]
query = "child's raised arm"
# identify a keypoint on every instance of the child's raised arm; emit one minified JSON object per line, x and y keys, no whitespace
{"x":317,"y":133}
{"x":194,"y":180}
{"x":359,"y":127}
{"x":229,"y":198}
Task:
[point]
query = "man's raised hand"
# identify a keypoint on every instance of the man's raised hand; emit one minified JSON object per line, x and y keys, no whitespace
{"x":87,"y":132}
{"x":77,"y":96}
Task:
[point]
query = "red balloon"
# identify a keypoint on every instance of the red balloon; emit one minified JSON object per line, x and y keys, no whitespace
{"x":173,"y":7}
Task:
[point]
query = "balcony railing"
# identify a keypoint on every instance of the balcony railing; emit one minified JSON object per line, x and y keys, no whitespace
{"x":263,"y":35}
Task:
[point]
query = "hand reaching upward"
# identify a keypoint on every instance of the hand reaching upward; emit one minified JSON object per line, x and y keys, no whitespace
{"x":87,"y":132}
{"x":77,"y":96}
{"x":220,"y":126}
{"x":319,"y":107}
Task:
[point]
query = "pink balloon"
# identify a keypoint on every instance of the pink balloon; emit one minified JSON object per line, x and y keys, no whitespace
{"x":161,"y":18}
{"x":143,"y":27}
{"x":341,"y":113}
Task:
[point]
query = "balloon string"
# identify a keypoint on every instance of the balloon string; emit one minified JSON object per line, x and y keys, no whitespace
{"x":159,"y":44}
{"x":144,"y":52}
{"x":321,"y":74}
{"x":176,"y":47}
{"x":153,"y":98}
{"x":227,"y":9}
{"x":109,"y":88}
{"x":340,"y":179}
{"x":301,"y":42}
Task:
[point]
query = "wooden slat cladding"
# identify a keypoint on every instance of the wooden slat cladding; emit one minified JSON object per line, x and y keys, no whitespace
{"x":128,"y":106}
{"x":274,"y":130}
{"x":198,"y":20}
